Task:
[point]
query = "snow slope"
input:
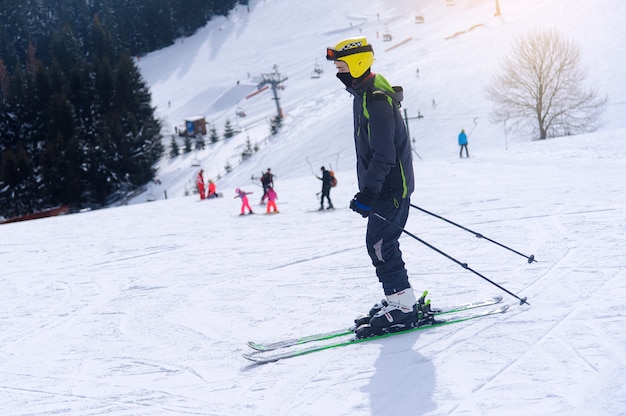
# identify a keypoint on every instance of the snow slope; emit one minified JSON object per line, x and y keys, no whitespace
{"x":457,"y":51}
{"x":145,"y":309}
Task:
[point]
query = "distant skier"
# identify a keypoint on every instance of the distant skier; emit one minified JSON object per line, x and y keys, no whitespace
{"x":267,"y":179}
{"x":212,"y":193}
{"x":463,"y":143}
{"x":200,"y":184}
{"x":326,"y":185}
{"x":244,"y":201}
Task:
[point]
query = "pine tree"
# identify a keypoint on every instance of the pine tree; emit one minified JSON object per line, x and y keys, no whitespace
{"x":174,"y":149}
{"x":139,"y":140}
{"x":5,"y":118}
{"x":214,"y":136}
{"x":248,"y":151}
{"x":61,"y":160}
{"x":187,"y":142}
{"x":228,"y":130}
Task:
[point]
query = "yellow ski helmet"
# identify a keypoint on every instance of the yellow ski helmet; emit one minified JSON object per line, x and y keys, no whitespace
{"x":355,"y":52}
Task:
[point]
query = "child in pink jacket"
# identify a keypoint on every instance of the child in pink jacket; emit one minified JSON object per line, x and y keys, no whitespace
{"x":271,"y":200}
{"x":244,"y":201}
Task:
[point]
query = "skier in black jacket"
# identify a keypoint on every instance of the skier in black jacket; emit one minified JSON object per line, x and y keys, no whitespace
{"x":385,"y":176}
{"x":326,"y":185}
{"x":267,"y":180}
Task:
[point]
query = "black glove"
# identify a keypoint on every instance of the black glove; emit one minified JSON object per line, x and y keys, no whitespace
{"x":363,"y":203}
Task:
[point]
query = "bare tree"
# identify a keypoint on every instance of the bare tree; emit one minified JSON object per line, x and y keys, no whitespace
{"x":540,"y":89}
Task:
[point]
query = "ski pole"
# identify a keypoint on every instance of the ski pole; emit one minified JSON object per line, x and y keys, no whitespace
{"x":530,"y":258}
{"x":464,"y":265}
{"x":254,"y":181}
{"x":310,"y":166}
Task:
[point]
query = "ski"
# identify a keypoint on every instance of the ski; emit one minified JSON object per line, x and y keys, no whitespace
{"x":262,"y":357}
{"x":346,"y":331}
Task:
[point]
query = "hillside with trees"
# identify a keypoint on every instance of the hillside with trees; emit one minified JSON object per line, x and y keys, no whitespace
{"x":76,"y":122}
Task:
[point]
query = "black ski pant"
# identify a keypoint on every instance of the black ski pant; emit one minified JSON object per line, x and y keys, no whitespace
{"x":382,"y":243}
{"x":325,"y":194}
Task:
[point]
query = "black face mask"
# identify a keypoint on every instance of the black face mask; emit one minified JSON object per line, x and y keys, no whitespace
{"x":346,"y":78}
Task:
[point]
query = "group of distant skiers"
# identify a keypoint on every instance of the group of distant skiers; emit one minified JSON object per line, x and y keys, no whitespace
{"x":267,"y":182}
{"x":209,"y":191}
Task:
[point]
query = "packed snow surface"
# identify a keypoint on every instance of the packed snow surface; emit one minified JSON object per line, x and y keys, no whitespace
{"x":145,"y":309}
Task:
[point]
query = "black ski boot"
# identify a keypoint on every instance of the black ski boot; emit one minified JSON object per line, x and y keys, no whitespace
{"x":396,"y":313}
{"x":373,"y":311}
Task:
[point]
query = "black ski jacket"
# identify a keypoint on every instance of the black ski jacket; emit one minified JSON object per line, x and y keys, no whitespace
{"x":383,"y":149}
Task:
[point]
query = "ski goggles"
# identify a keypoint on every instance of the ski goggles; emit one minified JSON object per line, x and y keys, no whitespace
{"x":333,"y":55}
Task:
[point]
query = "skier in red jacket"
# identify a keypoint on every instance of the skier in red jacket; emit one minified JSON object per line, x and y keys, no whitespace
{"x":200,"y":183}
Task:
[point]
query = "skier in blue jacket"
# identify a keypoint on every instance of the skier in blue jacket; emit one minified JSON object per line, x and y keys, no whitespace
{"x":385,"y":176}
{"x":463,"y":143}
